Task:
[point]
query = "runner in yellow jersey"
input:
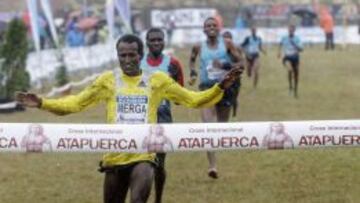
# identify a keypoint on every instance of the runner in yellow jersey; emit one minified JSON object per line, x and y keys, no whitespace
{"x":130,"y":99}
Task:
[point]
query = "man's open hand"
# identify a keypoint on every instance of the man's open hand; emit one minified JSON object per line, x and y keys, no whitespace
{"x":28,"y":99}
{"x":232,"y":76}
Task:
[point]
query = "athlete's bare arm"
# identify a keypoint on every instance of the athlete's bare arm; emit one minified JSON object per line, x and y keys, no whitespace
{"x":193,"y":56}
{"x":176,"y":72}
{"x":233,"y":51}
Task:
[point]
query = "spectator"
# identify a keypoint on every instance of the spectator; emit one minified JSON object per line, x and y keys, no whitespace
{"x":92,"y":36}
{"x":170,"y":26}
{"x":75,"y":37}
{"x":240,"y":22}
{"x":327,"y":24}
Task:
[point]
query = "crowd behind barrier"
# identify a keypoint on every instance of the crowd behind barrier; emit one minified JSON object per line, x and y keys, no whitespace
{"x":45,"y":63}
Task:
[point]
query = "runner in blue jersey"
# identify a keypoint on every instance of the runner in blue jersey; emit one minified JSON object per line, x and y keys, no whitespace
{"x":217,"y":57}
{"x":252,"y":46}
{"x":289,"y":49}
{"x":156,"y":60}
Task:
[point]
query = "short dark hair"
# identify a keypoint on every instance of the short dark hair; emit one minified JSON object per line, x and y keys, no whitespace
{"x":210,"y":18}
{"x":154,"y":29}
{"x":228,"y":33}
{"x":129,"y":38}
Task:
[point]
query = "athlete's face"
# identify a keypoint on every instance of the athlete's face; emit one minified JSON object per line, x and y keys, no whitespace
{"x":211,"y":28}
{"x":129,"y":58}
{"x":227,"y":35}
{"x":155,"y":43}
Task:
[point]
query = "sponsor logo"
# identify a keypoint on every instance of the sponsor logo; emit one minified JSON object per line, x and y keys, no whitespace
{"x":156,"y":140}
{"x":222,"y":142}
{"x":277,"y":138}
{"x":96,"y":144}
{"x":35,"y":140}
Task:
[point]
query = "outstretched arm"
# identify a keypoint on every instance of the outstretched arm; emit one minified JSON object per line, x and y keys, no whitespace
{"x":193,"y":73}
{"x":70,"y":104}
{"x":28,"y":99}
{"x":176,"y":71}
{"x":236,"y":55}
{"x":207,"y":98}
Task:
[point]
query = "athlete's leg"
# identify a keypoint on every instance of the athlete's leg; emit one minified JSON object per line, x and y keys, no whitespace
{"x":223,"y":113}
{"x":140,"y":182}
{"x":287,"y":65}
{"x":296,"y":79}
{"x":160,"y":177}
{"x":208,"y":115}
{"x":116,"y":185}
{"x":235,"y":101}
{"x":249,"y":67}
{"x":332,"y":44}
{"x":164,"y":116}
{"x":327,"y":41}
{"x":290,"y":79}
{"x":256,"y":66}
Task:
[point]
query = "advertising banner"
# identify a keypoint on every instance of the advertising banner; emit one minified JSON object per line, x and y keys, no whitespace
{"x":29,"y":137}
{"x":185,"y":17}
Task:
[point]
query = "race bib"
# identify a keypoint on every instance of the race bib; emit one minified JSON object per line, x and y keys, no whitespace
{"x":215,"y":73}
{"x":253,"y":49}
{"x":132,"y":109}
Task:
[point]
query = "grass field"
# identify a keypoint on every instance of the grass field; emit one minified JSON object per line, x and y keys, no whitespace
{"x":329,"y":89}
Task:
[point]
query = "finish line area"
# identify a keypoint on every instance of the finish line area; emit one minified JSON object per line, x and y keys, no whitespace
{"x":44,"y":137}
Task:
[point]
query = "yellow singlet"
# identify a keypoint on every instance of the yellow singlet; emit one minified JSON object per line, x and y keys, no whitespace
{"x":111,"y":88}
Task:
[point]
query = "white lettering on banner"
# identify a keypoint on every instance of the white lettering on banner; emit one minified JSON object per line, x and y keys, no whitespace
{"x":140,"y":138}
{"x":215,"y":130}
{"x":313,"y":35}
{"x":224,"y":130}
{"x":186,"y":17}
{"x":343,"y":127}
{"x":94,"y":131}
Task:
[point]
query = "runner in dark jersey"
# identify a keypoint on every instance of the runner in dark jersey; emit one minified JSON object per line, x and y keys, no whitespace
{"x":156,"y":60}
